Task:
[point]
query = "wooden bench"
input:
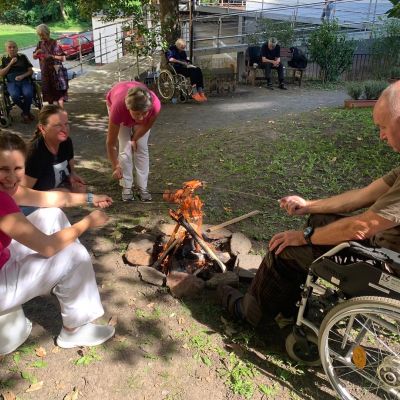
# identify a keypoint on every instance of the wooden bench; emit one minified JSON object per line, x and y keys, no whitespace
{"x":255,"y":70}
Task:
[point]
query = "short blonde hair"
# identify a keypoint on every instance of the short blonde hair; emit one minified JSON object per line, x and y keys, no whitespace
{"x":43,"y":28}
{"x":138,"y":99}
{"x":180,"y":42}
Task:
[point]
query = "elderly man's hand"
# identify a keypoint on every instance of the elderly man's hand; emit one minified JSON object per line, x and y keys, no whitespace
{"x":284,"y":239}
{"x":294,"y":205}
{"x":13,"y":61}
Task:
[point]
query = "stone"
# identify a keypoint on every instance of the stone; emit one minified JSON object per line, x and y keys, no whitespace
{"x":240,"y":244}
{"x":182,"y":284}
{"x":227,"y":278}
{"x":151,"y":275}
{"x":222,"y":233}
{"x":166,"y":229}
{"x":143,"y":242}
{"x":246,"y":265}
{"x":138,"y":257}
{"x":224,"y":256}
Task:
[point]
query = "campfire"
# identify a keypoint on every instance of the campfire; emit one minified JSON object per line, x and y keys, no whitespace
{"x":187,"y":256}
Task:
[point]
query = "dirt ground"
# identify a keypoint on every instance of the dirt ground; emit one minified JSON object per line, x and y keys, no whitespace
{"x":164,"y":348}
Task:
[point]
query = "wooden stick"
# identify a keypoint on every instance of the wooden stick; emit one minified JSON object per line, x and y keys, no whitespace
{"x":232,"y":221}
{"x":164,"y":254}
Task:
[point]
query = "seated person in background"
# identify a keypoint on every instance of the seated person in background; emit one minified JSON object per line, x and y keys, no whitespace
{"x":40,"y":254}
{"x":17,"y":70}
{"x":276,"y":287}
{"x":176,"y":55}
{"x":50,"y":160}
{"x":271,"y":58}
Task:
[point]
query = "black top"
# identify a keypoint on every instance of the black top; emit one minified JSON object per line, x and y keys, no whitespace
{"x":174,"y":52}
{"x":19,"y":68}
{"x":50,"y":171}
{"x":270,"y":54}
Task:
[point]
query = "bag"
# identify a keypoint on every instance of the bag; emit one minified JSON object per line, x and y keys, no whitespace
{"x":299,"y":60}
{"x":61,"y":77}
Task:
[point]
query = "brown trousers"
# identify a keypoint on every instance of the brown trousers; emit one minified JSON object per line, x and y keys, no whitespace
{"x":276,"y":286}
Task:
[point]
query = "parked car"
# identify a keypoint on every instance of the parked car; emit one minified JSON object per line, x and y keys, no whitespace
{"x":70,"y":44}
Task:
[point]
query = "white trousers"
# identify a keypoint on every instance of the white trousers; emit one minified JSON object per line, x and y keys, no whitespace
{"x":140,"y":159}
{"x":69,"y":274}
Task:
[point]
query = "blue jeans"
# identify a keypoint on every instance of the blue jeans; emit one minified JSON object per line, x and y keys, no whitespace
{"x":21,"y":93}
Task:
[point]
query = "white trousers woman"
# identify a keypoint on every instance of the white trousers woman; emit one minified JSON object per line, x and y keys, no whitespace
{"x":140,"y":159}
{"x":68,"y":274}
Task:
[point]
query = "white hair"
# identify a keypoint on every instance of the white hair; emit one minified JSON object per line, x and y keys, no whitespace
{"x":391,"y":96}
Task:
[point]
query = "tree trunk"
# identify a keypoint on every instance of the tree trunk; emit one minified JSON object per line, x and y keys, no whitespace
{"x":169,"y":16}
{"x":62,"y":10}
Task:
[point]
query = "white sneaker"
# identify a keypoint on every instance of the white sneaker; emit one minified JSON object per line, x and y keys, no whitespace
{"x":127,"y":195}
{"x":86,"y":335}
{"x":15,"y":328}
{"x":145,"y":196}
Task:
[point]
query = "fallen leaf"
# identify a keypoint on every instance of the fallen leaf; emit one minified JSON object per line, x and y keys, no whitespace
{"x":185,"y":346}
{"x":120,"y":338}
{"x":55,"y":350}
{"x":333,"y":159}
{"x":59,"y":385}
{"x":271,"y":121}
{"x":113,"y":321}
{"x":34,"y":387}
{"x":359,"y":138}
{"x":72,"y":395}
{"x":172,"y":315}
{"x":8,"y":396}
{"x":150,"y":305}
{"x":40,"y":352}
{"x":181,"y":320}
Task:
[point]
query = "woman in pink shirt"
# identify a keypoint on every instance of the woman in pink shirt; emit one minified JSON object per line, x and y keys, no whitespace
{"x":40,"y":254}
{"x":132,"y":110}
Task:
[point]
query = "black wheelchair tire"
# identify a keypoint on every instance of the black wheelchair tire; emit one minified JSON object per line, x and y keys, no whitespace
{"x":295,"y":353}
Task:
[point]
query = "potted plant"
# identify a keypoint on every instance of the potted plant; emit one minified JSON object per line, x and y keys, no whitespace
{"x":364,"y":94}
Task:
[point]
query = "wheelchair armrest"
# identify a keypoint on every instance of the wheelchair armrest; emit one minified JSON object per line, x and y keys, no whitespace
{"x":334,"y":250}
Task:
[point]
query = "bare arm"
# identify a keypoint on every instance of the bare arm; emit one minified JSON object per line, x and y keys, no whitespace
{"x":346,"y":202}
{"x":111,"y":143}
{"x":141,"y":130}
{"x":4,"y":71}
{"x":29,"y":197}
{"x":174,"y":60}
{"x":29,"y":72}
{"x":357,"y":227}
{"x":19,"y":228}
{"x":28,"y":181}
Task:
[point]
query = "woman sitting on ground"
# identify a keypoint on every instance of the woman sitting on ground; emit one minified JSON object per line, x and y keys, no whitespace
{"x":40,"y":254}
{"x":50,"y":160}
{"x":176,"y":55}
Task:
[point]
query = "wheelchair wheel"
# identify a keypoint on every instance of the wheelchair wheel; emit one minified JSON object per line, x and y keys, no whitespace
{"x":359,"y":344}
{"x":296,"y":352}
{"x":166,"y":85}
{"x":5,"y":118}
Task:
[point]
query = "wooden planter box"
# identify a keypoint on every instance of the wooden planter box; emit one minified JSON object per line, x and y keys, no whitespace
{"x":351,"y":103}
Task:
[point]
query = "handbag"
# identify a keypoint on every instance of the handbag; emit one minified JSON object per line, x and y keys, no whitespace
{"x":61,"y":74}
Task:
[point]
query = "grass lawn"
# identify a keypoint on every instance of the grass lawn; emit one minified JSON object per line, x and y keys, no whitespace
{"x":25,"y":35}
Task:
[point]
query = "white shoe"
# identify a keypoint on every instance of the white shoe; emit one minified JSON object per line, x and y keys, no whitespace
{"x":86,"y":335}
{"x":145,"y":196}
{"x":15,"y":328}
{"x":127,"y":195}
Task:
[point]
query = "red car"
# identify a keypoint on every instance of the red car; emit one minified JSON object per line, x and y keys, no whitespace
{"x":70,"y":44}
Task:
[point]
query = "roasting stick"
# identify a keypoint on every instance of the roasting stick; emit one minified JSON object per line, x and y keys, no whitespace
{"x":232,"y":221}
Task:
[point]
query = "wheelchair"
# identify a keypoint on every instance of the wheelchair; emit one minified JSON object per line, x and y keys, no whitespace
{"x":349,"y":321}
{"x":6,"y":103}
{"x":171,"y":85}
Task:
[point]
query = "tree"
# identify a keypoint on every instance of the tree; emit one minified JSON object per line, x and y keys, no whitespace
{"x":330,"y":50}
{"x":395,"y":10}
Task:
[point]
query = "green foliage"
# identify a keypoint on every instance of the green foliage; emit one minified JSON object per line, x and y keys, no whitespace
{"x":394,"y":72}
{"x":373,"y":89}
{"x":267,"y":28}
{"x":395,"y":10}
{"x":355,"y":90}
{"x":88,"y":358}
{"x":331,"y":51}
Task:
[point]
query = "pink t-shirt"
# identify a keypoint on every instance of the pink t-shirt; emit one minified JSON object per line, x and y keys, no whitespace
{"x":119,"y":114}
{"x":7,"y":206}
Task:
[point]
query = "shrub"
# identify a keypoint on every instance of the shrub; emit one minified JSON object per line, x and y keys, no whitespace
{"x":14,"y":16}
{"x":331,"y":51}
{"x":267,"y":28}
{"x":394,"y":72}
{"x":355,"y":90}
{"x":373,"y":89}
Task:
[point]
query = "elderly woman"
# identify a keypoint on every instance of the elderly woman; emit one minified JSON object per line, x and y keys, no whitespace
{"x":132,"y":110}
{"x":50,"y":160}
{"x":40,"y":254}
{"x":17,"y":70}
{"x":176,"y":55}
{"x":54,"y":76}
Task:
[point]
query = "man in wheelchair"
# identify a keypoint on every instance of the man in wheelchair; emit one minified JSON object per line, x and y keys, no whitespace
{"x":17,"y":71}
{"x":177,"y":57}
{"x":276,"y":286}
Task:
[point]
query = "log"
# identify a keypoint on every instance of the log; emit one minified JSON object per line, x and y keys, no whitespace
{"x":233,"y":221}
